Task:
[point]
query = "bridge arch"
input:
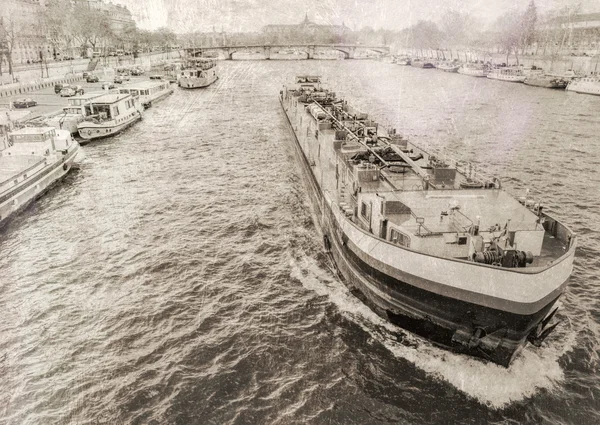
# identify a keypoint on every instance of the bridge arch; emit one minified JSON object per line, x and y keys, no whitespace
{"x":345,"y":52}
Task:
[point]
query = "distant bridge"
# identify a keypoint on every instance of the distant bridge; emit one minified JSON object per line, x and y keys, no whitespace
{"x":349,"y":50}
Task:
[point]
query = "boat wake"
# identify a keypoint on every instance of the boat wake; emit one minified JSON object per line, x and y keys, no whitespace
{"x":492,"y":385}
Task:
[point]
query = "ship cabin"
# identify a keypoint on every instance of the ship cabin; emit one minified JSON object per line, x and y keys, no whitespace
{"x":36,"y":141}
{"x":400,"y":193}
{"x":117,"y":107}
{"x":147,"y":91}
{"x":76,"y":104}
{"x":509,"y":72}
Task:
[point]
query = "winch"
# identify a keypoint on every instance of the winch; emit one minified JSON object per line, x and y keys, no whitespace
{"x":501,"y":257}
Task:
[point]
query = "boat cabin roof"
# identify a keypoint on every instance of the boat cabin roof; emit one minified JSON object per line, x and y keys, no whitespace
{"x":87,"y":96}
{"x":33,"y":130}
{"x":110,"y":98}
{"x":145,"y":84}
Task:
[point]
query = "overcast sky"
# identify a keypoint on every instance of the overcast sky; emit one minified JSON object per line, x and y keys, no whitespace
{"x":252,"y":15}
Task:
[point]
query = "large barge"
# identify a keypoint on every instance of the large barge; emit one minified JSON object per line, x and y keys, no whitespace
{"x":31,"y":161}
{"x":428,"y":242}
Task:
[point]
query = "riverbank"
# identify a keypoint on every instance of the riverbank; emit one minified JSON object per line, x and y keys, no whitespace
{"x":558,"y":64}
{"x":34,"y":75}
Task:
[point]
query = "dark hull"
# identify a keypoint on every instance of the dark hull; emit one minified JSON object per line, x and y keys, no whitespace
{"x":446,"y":321}
{"x":546,"y":83}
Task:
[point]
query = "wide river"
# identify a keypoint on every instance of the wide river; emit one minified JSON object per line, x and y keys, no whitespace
{"x":178,"y":278}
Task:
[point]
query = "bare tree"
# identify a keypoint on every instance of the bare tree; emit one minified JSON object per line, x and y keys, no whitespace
{"x":8,"y":39}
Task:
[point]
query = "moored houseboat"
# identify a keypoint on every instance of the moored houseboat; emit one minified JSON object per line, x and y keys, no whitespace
{"x":448,"y":66}
{"x":31,"y":161}
{"x":148,"y":91}
{"x":546,"y":81}
{"x":586,"y":85}
{"x":198,"y":73}
{"x":108,"y":115}
{"x":430,"y":243}
{"x":473,"y":70}
{"x":512,"y":75}
{"x":73,"y":113}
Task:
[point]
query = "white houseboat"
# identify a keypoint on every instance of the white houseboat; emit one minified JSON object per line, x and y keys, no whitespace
{"x":31,"y":160}
{"x":108,"y":115}
{"x":73,"y":113}
{"x":513,"y":75}
{"x":198,"y":73}
{"x":586,"y":85}
{"x":148,"y":91}
{"x":448,"y":66}
{"x":473,"y":70}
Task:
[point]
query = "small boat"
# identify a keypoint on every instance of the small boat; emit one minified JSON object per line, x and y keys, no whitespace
{"x":32,"y":159}
{"x":513,"y":75}
{"x":73,"y":113}
{"x":148,"y":91}
{"x":546,"y":81}
{"x":429,"y":243}
{"x":108,"y":115}
{"x":448,"y":67}
{"x":198,"y":73}
{"x":586,"y":85}
{"x":473,"y":70}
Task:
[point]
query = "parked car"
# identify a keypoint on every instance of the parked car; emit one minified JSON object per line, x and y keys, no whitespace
{"x":24,"y":103}
{"x":156,"y":77}
{"x":118,"y":79}
{"x":92,"y":78}
{"x":71,"y":91}
{"x":107,"y":85}
{"x":137,"y":71}
{"x":85,"y":74}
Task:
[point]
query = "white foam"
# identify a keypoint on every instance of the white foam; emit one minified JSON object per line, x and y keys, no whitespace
{"x":488,"y":383}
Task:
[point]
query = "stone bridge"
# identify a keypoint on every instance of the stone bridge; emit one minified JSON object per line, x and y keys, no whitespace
{"x":349,"y":50}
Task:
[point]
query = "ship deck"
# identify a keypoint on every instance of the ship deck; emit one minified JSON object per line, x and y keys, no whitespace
{"x":427,"y":202}
{"x":492,"y":206}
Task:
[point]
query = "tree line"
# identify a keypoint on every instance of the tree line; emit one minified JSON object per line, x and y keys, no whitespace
{"x":73,"y":29}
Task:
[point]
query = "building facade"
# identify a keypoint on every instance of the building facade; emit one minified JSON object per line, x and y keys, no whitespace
{"x":21,"y":34}
{"x":120,"y":18}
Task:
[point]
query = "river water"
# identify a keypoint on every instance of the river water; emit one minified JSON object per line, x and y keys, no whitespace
{"x":178,"y":278}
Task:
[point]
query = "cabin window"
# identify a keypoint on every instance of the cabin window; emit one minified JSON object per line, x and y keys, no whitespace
{"x":115,"y":111}
{"x":365,"y":211}
{"x":462,"y":240}
{"x":399,"y":238}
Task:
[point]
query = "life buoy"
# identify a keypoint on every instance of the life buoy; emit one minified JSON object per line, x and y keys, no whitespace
{"x":89,"y":132}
